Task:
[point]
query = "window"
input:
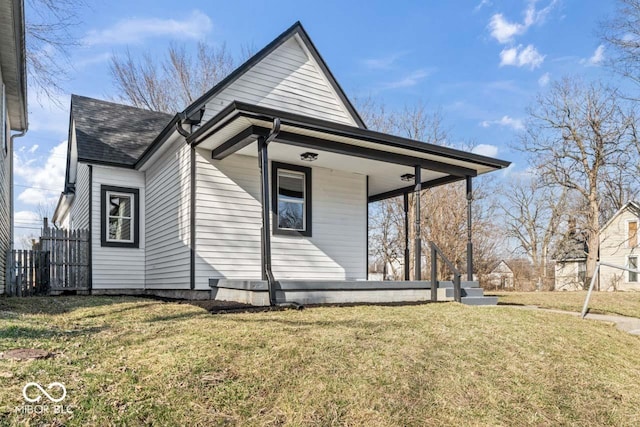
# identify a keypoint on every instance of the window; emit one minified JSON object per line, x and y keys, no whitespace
{"x":632,"y":233}
{"x":120,"y":216}
{"x":633,"y":264}
{"x":291,"y":199}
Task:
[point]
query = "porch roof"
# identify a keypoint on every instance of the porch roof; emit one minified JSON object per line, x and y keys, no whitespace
{"x":240,"y":124}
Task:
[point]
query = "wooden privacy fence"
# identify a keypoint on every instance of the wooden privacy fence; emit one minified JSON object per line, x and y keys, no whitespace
{"x":28,"y":273}
{"x":68,"y":258}
{"x":58,"y":263}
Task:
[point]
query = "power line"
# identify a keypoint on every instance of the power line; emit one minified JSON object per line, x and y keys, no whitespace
{"x":35,"y":188}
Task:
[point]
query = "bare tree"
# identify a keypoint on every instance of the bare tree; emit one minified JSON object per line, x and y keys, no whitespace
{"x":172,"y":83}
{"x":443,"y":208}
{"x":621,"y":35}
{"x":534,"y":213}
{"x":579,"y":134}
{"x":49,"y":42}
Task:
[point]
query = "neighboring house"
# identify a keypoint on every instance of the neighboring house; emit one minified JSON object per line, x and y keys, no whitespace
{"x":571,"y":261}
{"x":13,"y":115}
{"x":619,"y":245}
{"x":501,"y":277}
{"x":181,"y":205}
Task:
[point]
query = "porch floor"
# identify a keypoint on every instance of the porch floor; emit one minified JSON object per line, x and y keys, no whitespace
{"x":255,"y":292}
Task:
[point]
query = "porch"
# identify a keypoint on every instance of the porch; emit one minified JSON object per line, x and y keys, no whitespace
{"x":256,"y":292}
{"x":385,"y":165}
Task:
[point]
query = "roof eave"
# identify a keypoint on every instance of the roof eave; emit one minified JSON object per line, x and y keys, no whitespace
{"x":16,"y":73}
{"x":269,"y":114}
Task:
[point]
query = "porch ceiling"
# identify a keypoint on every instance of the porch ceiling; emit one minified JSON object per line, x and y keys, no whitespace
{"x":384,"y":158}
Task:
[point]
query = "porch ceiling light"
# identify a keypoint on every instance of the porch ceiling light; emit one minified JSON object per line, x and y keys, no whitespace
{"x":309,"y":156}
{"x":408,"y":177}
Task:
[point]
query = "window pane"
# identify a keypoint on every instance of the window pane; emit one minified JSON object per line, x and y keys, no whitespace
{"x":290,"y":215}
{"x":633,"y":264}
{"x":291,"y":196}
{"x":120,"y":206}
{"x":291,"y":186}
{"x":119,"y":229}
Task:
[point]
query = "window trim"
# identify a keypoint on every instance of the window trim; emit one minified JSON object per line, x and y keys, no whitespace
{"x":629,"y":273}
{"x":104,"y":216}
{"x":308,"y":198}
{"x":628,"y":235}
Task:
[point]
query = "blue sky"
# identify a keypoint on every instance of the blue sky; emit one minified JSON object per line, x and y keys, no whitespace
{"x":481,"y":62}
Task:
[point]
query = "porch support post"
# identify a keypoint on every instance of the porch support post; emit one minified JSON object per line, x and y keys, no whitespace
{"x":406,"y":236}
{"x":418,"y":250}
{"x":263,"y":163}
{"x":469,"y":242}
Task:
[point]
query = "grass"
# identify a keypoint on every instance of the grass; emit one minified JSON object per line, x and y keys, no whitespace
{"x":619,"y":303}
{"x":129,"y":361}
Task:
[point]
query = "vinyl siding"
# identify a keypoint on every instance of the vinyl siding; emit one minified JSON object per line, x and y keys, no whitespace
{"x":228,"y":223}
{"x":168,"y":193}
{"x":5,"y":200}
{"x":288,"y":79}
{"x":614,"y":249}
{"x":79,"y":211}
{"x":117,"y":268}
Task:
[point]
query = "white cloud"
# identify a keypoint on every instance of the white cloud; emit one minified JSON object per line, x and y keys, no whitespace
{"x":385,"y":62}
{"x":519,"y":57}
{"x":596,"y":58}
{"x":482,"y":4}
{"x":544,"y":79}
{"x":137,"y":30}
{"x":26,"y":217}
{"x":92,"y":60}
{"x":45,"y":181}
{"x":505,"y":121}
{"x":504,"y":31}
{"x":485,"y":150}
{"x":33,"y":148}
{"x":409,"y":80}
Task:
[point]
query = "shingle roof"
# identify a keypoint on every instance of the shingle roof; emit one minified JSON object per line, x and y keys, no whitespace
{"x":113,"y":133}
{"x":573,"y":247}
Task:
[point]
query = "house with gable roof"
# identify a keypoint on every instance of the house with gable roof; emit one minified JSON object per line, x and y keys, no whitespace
{"x":257,"y":192}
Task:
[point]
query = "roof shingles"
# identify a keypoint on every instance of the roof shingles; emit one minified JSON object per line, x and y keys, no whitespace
{"x":113,"y":133}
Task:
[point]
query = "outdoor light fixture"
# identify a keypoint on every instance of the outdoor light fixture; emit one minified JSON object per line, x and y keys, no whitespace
{"x":407,"y":177}
{"x":309,"y":156}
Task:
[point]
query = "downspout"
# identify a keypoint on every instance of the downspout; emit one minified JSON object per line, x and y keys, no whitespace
{"x":10,"y":152}
{"x":263,"y":163}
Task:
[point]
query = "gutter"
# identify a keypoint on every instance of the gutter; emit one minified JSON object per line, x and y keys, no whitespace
{"x":10,"y":153}
{"x":263,"y":163}
{"x":263,"y":143}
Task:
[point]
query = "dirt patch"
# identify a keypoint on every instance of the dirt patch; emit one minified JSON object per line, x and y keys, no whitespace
{"x":25,"y":354}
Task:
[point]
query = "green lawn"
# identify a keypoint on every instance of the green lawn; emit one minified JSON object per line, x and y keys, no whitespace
{"x":621,"y":303}
{"x":129,"y":361}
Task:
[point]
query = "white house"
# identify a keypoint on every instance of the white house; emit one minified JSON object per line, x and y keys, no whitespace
{"x":13,"y":115}
{"x":256,"y":192}
{"x":619,"y":245}
{"x":501,"y":276}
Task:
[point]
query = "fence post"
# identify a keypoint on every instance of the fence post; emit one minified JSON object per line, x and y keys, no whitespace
{"x":7,"y":284}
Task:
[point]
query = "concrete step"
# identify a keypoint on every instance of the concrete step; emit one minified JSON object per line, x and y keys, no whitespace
{"x":463,"y":284}
{"x":466,"y":292}
{"x":480,"y":300}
